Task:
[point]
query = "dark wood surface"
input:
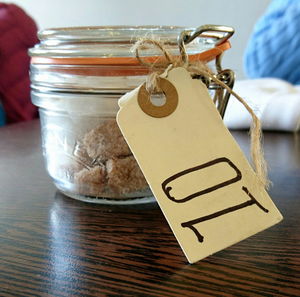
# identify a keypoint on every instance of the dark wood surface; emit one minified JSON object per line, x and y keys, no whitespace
{"x":51,"y":245}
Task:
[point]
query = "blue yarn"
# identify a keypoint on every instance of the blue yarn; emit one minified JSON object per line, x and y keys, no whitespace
{"x":274,"y":47}
{"x":2,"y":116}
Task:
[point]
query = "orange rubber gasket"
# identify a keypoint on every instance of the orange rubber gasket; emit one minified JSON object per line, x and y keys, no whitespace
{"x":206,"y":56}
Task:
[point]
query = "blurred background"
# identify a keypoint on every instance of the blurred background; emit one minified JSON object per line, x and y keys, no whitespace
{"x":271,"y":86}
{"x":241,"y":15}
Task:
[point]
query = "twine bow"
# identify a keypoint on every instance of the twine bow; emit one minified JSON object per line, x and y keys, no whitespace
{"x":200,"y":68}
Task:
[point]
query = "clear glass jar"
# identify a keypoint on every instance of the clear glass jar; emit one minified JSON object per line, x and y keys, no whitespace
{"x":77,"y":76}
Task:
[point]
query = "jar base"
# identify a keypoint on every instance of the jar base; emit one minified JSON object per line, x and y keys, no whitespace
{"x":66,"y":189}
{"x":102,"y":200}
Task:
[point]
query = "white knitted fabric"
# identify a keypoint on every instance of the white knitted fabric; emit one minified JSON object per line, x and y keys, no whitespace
{"x":275,"y":102}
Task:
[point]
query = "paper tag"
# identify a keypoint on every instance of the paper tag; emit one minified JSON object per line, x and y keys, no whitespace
{"x":201,"y":179}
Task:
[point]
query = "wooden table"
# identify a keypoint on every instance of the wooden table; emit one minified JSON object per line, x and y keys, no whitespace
{"x":51,"y":245}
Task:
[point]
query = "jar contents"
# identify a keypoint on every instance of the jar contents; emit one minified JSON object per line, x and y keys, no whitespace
{"x":103,"y":165}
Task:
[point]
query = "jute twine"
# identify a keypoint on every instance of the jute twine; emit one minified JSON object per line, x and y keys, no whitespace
{"x":200,"y":68}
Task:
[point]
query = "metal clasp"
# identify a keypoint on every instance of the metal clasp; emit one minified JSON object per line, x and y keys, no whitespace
{"x":222,"y":34}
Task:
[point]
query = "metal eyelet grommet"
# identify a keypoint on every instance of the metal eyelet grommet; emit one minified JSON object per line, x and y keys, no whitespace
{"x":144,"y":100}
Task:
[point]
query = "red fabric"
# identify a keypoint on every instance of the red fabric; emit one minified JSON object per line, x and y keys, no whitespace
{"x":18,"y":33}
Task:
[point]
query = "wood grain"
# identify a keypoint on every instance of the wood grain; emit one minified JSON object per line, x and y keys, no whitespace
{"x":51,"y":245}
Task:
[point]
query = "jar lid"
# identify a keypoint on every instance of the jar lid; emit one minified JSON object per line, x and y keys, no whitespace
{"x":99,"y":59}
{"x":111,"y":45}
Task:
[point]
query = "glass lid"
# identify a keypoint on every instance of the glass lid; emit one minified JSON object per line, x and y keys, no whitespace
{"x":116,"y":41}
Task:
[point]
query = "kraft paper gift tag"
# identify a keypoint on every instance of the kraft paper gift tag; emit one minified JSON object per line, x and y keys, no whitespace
{"x":201,"y":179}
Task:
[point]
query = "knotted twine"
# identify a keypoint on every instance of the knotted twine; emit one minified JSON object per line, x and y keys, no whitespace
{"x":200,"y":68}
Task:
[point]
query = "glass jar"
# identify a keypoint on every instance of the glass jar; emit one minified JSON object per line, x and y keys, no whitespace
{"x":77,"y":76}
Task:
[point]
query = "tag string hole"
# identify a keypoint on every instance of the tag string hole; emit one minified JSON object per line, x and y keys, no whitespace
{"x":158,"y":99}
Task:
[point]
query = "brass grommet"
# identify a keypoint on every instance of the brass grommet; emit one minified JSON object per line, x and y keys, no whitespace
{"x":144,"y":100}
